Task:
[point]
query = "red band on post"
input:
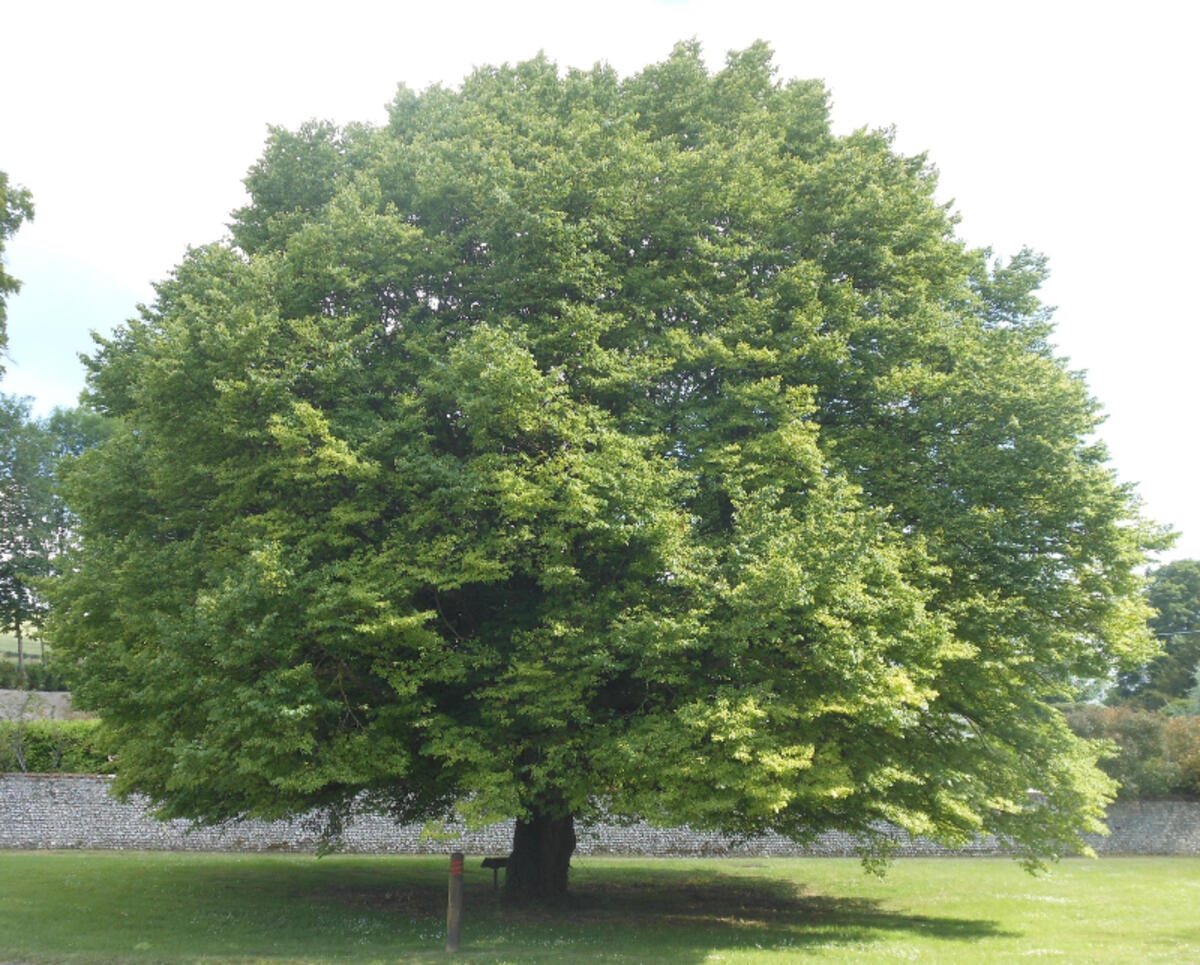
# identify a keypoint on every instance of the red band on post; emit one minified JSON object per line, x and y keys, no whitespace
{"x":456,"y":864}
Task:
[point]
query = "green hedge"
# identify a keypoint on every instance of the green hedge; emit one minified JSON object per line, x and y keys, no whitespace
{"x":38,"y":676}
{"x":54,"y":747}
{"x":1155,"y":755}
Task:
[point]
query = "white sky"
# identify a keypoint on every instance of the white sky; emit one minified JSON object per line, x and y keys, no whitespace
{"x":1066,"y":126}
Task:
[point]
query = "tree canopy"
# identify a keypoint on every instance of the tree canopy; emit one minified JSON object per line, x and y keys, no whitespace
{"x":24,"y":496}
{"x":1174,"y":593}
{"x":35,"y":524}
{"x":16,"y":206}
{"x":574,"y":442}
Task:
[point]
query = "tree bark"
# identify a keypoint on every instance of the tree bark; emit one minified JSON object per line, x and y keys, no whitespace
{"x":541,"y":857}
{"x":20,"y":656}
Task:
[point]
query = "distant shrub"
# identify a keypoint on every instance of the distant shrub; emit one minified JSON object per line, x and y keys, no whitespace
{"x":1141,"y":763}
{"x":8,"y":675}
{"x":38,"y":676}
{"x":1182,"y":739}
{"x":54,"y":747}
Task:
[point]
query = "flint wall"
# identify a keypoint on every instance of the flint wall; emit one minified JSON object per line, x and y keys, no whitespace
{"x":71,"y":811}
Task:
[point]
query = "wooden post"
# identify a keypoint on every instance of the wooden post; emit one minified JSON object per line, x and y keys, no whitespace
{"x":455,"y":903}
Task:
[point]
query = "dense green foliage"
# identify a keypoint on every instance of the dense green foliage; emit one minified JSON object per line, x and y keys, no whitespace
{"x":54,"y":747}
{"x":1174,"y":593}
{"x":1181,"y":738}
{"x":16,"y":206}
{"x":577,"y":442}
{"x":1155,"y":755}
{"x":25,"y":521}
{"x":35,"y":524}
{"x":32,"y":676}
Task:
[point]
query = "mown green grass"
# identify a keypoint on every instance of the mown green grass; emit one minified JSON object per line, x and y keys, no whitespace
{"x":111,"y":907}
{"x":32,"y":646}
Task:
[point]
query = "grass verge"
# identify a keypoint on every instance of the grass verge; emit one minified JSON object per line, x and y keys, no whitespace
{"x":32,"y":647}
{"x":142,"y":907}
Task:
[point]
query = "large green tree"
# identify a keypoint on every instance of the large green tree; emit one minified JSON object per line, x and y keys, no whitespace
{"x":16,"y":206}
{"x":1173,"y":591}
{"x":577,"y":443}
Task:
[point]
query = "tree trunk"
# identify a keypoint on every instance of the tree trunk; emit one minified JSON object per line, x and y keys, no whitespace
{"x":20,"y":656}
{"x":541,"y":857}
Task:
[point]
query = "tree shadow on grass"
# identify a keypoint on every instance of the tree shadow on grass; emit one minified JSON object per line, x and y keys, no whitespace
{"x":670,"y":914}
{"x":184,"y":909}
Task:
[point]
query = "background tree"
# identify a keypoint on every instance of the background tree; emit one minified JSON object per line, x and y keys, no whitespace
{"x":36,"y":526}
{"x":1191,"y":701}
{"x":1141,"y":764}
{"x":16,"y":206}
{"x":1174,"y":593}
{"x":24,"y":504}
{"x":575,"y":442}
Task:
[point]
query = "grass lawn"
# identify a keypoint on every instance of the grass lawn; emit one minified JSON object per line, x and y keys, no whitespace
{"x":167,"y":907}
{"x":31,"y":645}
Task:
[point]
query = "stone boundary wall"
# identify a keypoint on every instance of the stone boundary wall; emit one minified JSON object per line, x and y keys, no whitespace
{"x":70,"y":811}
{"x":37,"y":705}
